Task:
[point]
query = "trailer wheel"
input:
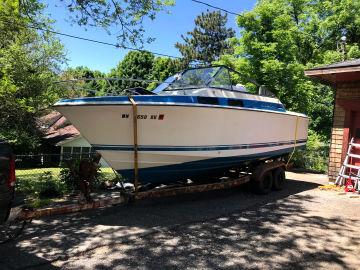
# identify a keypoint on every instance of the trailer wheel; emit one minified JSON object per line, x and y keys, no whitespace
{"x":279,"y":179}
{"x":264,"y":184}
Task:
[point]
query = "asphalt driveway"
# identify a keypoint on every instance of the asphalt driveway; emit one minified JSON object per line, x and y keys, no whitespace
{"x":300,"y":227}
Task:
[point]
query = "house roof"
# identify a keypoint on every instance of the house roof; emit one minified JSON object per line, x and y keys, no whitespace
{"x":56,"y":128}
{"x":349,"y":63}
{"x":345,"y":71}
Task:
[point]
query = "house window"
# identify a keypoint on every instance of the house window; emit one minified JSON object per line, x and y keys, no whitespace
{"x":85,"y":152}
{"x":66,"y":150}
{"x":66,"y":153}
{"x":76,"y":151}
{"x":69,"y":152}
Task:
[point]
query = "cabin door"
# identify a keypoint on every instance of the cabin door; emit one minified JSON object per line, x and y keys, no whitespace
{"x":355,"y":133}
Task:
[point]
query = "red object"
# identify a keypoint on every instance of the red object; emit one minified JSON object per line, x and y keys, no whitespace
{"x":349,"y":187}
{"x":12,"y":177}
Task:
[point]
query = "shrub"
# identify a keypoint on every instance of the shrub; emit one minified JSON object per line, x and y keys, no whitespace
{"x":315,"y":157}
{"x":71,"y":178}
{"x":43,"y":185}
{"x":48,"y":186}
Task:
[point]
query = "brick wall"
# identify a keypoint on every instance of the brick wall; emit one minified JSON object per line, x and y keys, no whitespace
{"x":348,"y":91}
{"x":337,"y":133}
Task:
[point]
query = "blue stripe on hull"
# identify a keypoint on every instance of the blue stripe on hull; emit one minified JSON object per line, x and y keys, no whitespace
{"x":223,"y":102}
{"x":171,"y":173}
{"x":160,"y":148}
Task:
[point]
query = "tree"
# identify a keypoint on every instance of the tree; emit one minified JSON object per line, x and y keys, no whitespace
{"x":74,"y":86}
{"x":136,"y":66}
{"x":125,"y":18}
{"x":282,"y":38}
{"x":164,"y":67}
{"x":208,"y":40}
{"x":29,"y":63}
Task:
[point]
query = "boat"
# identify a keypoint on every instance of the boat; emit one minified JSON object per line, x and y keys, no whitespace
{"x":197,"y":122}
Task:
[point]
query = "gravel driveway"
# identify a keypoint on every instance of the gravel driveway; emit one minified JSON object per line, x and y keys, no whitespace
{"x":300,"y":227}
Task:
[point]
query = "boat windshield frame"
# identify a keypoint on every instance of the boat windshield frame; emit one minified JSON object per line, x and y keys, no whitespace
{"x":171,"y":81}
{"x":205,"y":79}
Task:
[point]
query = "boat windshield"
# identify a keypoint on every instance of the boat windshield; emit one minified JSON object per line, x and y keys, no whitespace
{"x":217,"y":77}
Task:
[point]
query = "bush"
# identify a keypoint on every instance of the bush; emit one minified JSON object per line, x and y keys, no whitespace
{"x":315,"y":157}
{"x":68,"y":177}
{"x":71,"y":179}
{"x":44,"y":185}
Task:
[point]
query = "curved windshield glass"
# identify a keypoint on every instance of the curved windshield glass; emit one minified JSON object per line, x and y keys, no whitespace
{"x":202,"y":77}
{"x":218,"y":77}
{"x":161,"y":87}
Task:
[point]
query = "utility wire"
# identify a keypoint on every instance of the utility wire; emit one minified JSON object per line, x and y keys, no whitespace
{"x":109,"y":79}
{"x":101,"y":42}
{"x":219,"y":8}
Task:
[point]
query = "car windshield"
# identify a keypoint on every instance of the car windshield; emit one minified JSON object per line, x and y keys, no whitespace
{"x":218,"y":77}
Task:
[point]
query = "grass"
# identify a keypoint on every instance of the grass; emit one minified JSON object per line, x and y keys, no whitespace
{"x":41,"y":184}
{"x":108,"y":173}
{"x":35,"y":174}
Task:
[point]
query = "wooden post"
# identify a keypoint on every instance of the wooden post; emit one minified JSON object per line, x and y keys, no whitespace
{"x":136,"y":158}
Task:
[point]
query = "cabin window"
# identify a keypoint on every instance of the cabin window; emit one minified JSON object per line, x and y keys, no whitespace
{"x":235,"y":103}
{"x":208,"y":100}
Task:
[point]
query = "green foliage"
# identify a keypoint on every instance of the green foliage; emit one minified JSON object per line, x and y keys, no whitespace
{"x":208,"y":40}
{"x":75,"y":87}
{"x":44,"y":185}
{"x":315,"y":157}
{"x":71,"y":178}
{"x":143,"y":65}
{"x":127,"y":17}
{"x":164,"y":67}
{"x":135,"y":65}
{"x":28,"y":66}
{"x":282,"y":38}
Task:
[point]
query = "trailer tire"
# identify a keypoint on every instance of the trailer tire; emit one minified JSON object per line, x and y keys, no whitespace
{"x":278,"y":179}
{"x":264,"y":184}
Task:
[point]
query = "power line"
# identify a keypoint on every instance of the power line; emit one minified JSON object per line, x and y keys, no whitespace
{"x":102,"y":42}
{"x":108,"y":79}
{"x":219,"y":8}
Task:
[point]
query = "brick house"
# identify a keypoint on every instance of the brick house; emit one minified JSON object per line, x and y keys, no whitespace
{"x":344,"y":77}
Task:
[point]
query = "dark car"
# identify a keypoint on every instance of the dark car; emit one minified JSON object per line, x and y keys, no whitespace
{"x":7,"y":180}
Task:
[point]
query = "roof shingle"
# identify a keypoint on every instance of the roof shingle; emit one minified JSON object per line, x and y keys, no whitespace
{"x":348,"y":63}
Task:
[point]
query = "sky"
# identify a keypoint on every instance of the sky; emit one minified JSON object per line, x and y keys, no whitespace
{"x":166,"y":29}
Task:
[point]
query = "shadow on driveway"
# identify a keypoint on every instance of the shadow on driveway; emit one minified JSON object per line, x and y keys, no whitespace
{"x":222,"y":229}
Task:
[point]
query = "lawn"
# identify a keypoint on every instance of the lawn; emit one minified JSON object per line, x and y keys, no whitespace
{"x":35,"y":174}
{"x":42,"y":183}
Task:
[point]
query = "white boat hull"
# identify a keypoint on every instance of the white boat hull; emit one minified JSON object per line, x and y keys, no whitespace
{"x":180,"y":140}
